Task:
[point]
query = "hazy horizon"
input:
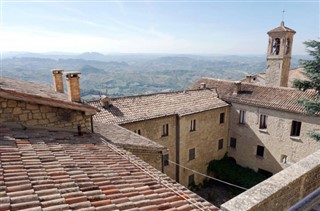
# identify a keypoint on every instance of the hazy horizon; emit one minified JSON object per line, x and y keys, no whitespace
{"x":159,"y":27}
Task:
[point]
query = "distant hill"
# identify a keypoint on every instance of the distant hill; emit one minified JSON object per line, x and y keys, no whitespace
{"x":92,"y":56}
{"x":130,"y":74}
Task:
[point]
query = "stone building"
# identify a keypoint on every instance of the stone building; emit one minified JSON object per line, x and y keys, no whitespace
{"x":278,"y":72}
{"x":268,"y":129}
{"x":36,"y":105}
{"x":46,"y":165}
{"x":178,"y":133}
{"x":279,"y":56}
{"x":32,"y":105}
{"x":192,"y":125}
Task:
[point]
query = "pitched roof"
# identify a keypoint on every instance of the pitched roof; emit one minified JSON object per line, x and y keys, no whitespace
{"x":259,"y":78}
{"x":282,"y":28}
{"x":125,"y":138}
{"x":279,"y":98}
{"x":47,"y":170}
{"x":142,"y":107}
{"x":38,"y":93}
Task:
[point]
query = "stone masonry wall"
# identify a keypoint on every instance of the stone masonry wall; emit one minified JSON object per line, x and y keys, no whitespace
{"x":35,"y":115}
{"x":151,"y":157}
{"x":282,"y":190}
{"x":152,"y":129}
{"x":276,"y":138}
{"x":205,"y":141}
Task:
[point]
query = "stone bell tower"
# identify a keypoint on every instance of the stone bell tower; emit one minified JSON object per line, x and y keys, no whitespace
{"x":279,"y":56}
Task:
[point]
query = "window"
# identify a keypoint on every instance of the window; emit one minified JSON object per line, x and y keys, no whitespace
{"x":191,"y":180}
{"x":221,"y":118}
{"x":233,"y":142}
{"x":192,"y":154}
{"x":193,"y":125}
{"x":165,"y":130}
{"x":166,"y":160}
{"x":295,"y":128}
{"x":138,"y":131}
{"x":276,"y":46}
{"x":260,"y":151}
{"x":220,"y":145}
{"x":263,"y":121}
{"x":242,"y":117}
{"x":284,"y":158}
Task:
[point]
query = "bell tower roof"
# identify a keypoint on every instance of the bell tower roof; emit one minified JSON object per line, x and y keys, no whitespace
{"x":282,"y":28}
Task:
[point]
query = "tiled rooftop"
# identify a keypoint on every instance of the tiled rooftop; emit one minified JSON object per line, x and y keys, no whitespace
{"x":279,"y":98}
{"x":52,"y":170}
{"x":297,"y":73}
{"x":123,"y":137}
{"x":142,"y":107}
{"x":37,"y":93}
{"x":282,"y":28}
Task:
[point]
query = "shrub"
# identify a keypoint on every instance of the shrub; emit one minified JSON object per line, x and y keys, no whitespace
{"x":226,"y":169}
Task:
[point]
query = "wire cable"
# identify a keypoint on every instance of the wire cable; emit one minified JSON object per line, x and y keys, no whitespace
{"x":208,"y":176}
{"x":170,"y":186}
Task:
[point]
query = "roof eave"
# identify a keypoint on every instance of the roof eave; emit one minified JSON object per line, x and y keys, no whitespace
{"x":9,"y":94}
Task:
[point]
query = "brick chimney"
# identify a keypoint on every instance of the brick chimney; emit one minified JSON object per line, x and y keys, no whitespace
{"x":57,"y":80}
{"x":238,"y":87}
{"x":73,"y":86}
{"x":249,"y":78}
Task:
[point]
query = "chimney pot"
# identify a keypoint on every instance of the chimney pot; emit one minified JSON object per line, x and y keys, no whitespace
{"x":203,"y":85}
{"x":105,"y":101}
{"x":57,"y":80}
{"x":73,"y":84}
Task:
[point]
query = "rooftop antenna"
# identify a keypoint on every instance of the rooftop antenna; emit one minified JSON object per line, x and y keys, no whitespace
{"x":283,"y":11}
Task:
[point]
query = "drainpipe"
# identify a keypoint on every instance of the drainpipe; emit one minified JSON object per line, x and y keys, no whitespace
{"x":177,"y":148}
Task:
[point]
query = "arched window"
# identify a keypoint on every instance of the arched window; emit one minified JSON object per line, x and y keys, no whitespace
{"x":276,"y":46}
{"x":287,"y":46}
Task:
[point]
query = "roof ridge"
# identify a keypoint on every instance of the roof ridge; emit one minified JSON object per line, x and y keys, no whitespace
{"x":157,"y":93}
{"x":260,"y":85}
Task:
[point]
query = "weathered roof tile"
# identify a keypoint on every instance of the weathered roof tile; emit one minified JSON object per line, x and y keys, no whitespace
{"x":98,"y":177}
{"x":278,"y":98}
{"x":142,"y":107}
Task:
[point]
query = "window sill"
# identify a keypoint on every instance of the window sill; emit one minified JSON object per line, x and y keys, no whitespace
{"x":263,"y":130}
{"x":192,"y":131}
{"x":259,"y":157}
{"x":296,"y":138}
{"x":242,"y":124}
{"x":163,"y":136}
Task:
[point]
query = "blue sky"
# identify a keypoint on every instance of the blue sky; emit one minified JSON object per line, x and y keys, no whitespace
{"x":195,"y":27}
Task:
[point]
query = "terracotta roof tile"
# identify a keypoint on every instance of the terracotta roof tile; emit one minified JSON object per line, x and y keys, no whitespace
{"x":279,"y":98}
{"x":93,"y":175}
{"x":142,"y":107}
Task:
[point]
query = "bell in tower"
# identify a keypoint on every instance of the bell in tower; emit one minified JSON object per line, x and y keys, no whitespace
{"x":279,"y":56}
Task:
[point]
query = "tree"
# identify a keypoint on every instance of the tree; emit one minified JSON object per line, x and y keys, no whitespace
{"x":312,"y":71}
